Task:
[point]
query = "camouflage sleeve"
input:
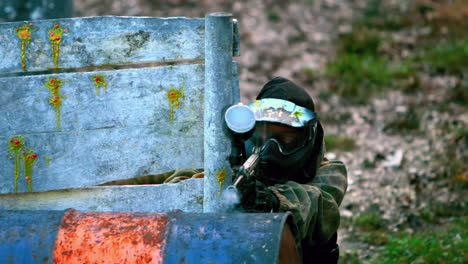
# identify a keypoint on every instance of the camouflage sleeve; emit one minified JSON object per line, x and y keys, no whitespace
{"x":168,"y":177}
{"x":314,"y":206}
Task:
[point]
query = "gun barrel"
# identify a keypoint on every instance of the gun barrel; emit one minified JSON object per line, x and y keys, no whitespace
{"x":237,"y":182}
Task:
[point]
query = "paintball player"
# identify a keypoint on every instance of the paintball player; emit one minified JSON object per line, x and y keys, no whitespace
{"x":294,"y":175}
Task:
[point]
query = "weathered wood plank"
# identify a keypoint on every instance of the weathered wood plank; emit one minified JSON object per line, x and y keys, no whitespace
{"x":88,"y":157}
{"x":186,"y":196}
{"x":133,"y":97}
{"x":93,"y":41}
{"x":97,"y":41}
{"x":124,"y":132}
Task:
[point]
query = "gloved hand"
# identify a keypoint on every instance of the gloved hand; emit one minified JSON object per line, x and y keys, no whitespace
{"x":183,"y":174}
{"x":256,"y":197}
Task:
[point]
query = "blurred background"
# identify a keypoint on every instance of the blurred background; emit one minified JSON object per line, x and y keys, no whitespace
{"x":390,"y":81}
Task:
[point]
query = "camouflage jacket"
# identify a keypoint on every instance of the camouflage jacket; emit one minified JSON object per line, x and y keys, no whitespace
{"x":314,"y":206}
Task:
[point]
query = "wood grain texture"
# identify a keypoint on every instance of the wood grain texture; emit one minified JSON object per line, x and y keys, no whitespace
{"x":96,"y":41}
{"x":186,"y":196}
{"x":123,"y":133}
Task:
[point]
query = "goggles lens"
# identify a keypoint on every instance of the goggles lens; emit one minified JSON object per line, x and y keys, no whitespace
{"x":289,"y":139}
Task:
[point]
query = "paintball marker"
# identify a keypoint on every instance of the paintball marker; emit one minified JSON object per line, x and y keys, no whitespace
{"x":247,"y":188}
{"x":240,"y":121}
{"x":246,"y":173}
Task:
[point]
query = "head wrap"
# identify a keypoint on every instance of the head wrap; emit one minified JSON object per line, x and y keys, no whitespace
{"x":300,"y":166}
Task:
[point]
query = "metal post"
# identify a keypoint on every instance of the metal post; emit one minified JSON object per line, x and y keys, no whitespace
{"x":218,"y":95}
{"x":235,"y":83}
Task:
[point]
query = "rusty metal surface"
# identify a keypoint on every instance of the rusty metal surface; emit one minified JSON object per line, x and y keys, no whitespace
{"x":125,"y":237}
{"x":28,"y":236}
{"x":104,"y":237}
{"x":289,"y":253}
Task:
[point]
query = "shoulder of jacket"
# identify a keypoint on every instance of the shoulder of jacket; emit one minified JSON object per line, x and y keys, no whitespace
{"x":326,"y":162}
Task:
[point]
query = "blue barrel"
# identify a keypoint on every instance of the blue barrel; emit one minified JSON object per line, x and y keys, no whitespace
{"x":122,"y":237}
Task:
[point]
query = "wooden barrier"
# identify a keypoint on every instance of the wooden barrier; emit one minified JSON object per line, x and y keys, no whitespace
{"x":67,"y":123}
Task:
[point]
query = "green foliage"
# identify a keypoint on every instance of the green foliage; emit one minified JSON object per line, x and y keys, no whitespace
{"x":361,"y":70}
{"x":444,"y":246}
{"x":452,"y":160}
{"x":273,"y":16}
{"x":361,"y":42}
{"x":449,"y":57}
{"x":369,"y":221}
{"x":459,"y":93}
{"x":335,"y":142}
{"x":373,"y":237}
{"x":349,"y":258}
{"x":381,"y":17}
{"x":358,"y":77}
{"x":367,"y":164}
{"x":368,"y":62}
{"x":370,"y":229}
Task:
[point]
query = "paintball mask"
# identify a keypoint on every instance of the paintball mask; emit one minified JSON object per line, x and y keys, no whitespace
{"x":285,"y":134}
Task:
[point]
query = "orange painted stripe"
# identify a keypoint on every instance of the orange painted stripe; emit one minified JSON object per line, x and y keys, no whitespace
{"x":110,"y":237}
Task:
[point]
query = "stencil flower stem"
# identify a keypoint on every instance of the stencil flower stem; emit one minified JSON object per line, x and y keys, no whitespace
{"x":99,"y":80}
{"x":29,"y":158}
{"x":24,"y":34}
{"x":54,"y":85}
{"x":174,"y":95}
{"x":15,"y":145}
{"x":55,"y":37}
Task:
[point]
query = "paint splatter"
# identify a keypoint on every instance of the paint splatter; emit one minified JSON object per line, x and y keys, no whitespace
{"x":174,"y":95}
{"x":56,"y":37}
{"x":29,"y":158}
{"x":297,"y":114}
{"x":48,"y":160}
{"x":99,"y":81}
{"x":15,"y":145}
{"x":24,"y":33}
{"x":221,"y":176}
{"x":54,"y":85}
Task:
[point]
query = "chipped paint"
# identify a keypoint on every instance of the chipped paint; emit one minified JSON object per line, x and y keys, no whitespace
{"x":124,"y":237}
{"x":15,"y":145}
{"x":55,"y":38}
{"x":89,"y":237}
{"x":99,"y":80}
{"x":54,"y":85}
{"x":174,"y":95}
{"x":24,"y":33}
{"x":29,"y":158}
